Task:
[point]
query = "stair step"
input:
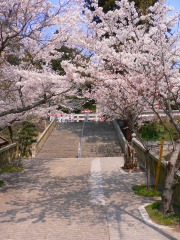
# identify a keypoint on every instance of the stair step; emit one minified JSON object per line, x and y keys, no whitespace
{"x":99,"y":140}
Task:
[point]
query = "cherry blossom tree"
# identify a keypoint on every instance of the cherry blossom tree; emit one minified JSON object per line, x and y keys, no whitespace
{"x":130,"y":61}
{"x":134,"y":65}
{"x":27,"y":46}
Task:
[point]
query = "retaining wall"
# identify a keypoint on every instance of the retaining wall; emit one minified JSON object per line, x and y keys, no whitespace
{"x":8,"y":154}
{"x":43,"y":137}
{"x":120,"y":136}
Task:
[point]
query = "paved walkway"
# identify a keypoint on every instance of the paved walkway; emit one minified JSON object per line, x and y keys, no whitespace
{"x":74,"y":199}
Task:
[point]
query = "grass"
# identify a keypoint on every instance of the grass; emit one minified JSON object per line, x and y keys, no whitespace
{"x":1,"y":182}
{"x":157,"y":216}
{"x":141,"y":190}
{"x":11,"y":169}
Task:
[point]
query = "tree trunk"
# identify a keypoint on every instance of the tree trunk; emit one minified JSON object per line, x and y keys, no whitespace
{"x":130,"y":162}
{"x":167,"y":195}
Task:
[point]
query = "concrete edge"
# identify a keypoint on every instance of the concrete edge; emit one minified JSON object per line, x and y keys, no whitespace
{"x":45,"y":134}
{"x":148,"y":220}
{"x":6,"y":148}
{"x":122,"y":171}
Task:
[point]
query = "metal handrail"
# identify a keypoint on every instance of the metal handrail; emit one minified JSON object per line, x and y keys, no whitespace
{"x":81,"y":141}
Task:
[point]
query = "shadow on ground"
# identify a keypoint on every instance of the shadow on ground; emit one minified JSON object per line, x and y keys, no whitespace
{"x":35,"y":195}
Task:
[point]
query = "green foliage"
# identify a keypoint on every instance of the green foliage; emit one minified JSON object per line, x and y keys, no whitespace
{"x":154,"y":131}
{"x":107,"y":5}
{"x":25,"y":137}
{"x":1,"y":182}
{"x":141,"y":190}
{"x":143,"y":5}
{"x":11,"y":169}
{"x":68,"y":54}
{"x":16,"y":127}
{"x":157,"y":216}
{"x":90,"y":105}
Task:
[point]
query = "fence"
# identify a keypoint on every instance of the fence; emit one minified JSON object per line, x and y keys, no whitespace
{"x":41,"y":140}
{"x":8,"y":154}
{"x":153,"y":159}
{"x":120,"y":136}
{"x":76,"y":117}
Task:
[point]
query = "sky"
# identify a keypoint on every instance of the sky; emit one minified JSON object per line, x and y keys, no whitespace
{"x":173,"y":3}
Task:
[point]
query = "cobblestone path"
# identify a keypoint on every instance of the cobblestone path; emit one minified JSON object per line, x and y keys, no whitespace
{"x":74,"y":199}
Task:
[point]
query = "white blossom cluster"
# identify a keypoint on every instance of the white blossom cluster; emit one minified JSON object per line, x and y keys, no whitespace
{"x":131,"y":61}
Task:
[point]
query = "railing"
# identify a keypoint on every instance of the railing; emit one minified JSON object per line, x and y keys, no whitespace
{"x":41,"y":140}
{"x":153,"y":159}
{"x":76,"y":117}
{"x":161,"y":113}
{"x":86,"y":117}
{"x":80,"y":147}
{"x":121,"y":138}
{"x":140,"y":153}
{"x":8,"y":154}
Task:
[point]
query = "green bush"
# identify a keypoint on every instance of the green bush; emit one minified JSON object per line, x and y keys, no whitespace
{"x":1,"y":182}
{"x":26,"y":136}
{"x":154,"y":131}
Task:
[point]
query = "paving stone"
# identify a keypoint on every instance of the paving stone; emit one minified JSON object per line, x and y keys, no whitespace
{"x":58,"y":198}
{"x":51,"y":199}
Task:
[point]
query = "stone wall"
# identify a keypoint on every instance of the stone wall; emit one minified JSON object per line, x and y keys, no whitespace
{"x":8,"y":154}
{"x":43,"y":137}
{"x":121,"y":138}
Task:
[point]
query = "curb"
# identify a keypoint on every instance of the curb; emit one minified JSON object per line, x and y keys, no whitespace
{"x":148,"y":220}
{"x":122,"y":171}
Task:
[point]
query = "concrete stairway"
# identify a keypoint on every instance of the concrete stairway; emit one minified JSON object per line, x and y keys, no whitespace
{"x":99,"y":140}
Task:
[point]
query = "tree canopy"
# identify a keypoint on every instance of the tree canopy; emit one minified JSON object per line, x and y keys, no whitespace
{"x":107,"y":5}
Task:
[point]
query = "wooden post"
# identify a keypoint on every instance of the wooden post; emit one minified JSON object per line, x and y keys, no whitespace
{"x":148,"y":173}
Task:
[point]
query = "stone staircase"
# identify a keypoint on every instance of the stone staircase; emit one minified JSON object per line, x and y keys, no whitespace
{"x":99,"y":140}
